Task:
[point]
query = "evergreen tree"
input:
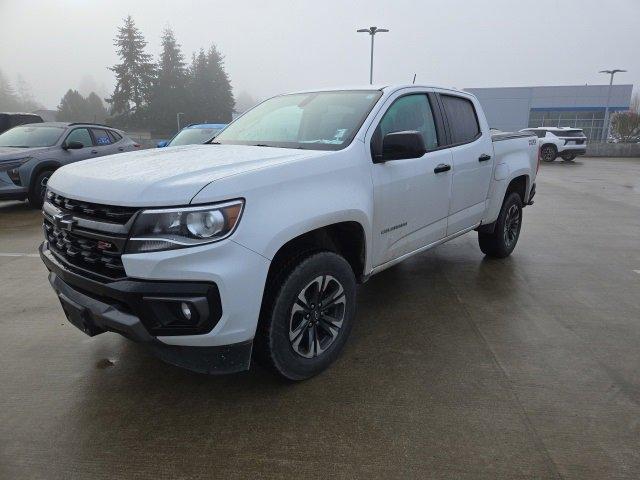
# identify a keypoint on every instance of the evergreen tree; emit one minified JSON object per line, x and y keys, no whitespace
{"x":8,"y":100}
{"x":72,"y":107}
{"x":222,"y":94}
{"x":210,"y":88}
{"x":134,"y":76}
{"x":96,"y":112}
{"x":25,"y":97}
{"x":76,"y":108}
{"x":169,"y":95}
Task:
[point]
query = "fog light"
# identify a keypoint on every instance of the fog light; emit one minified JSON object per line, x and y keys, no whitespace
{"x":185,"y":308}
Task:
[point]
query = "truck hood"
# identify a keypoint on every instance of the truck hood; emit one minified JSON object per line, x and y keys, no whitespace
{"x":165,"y":176}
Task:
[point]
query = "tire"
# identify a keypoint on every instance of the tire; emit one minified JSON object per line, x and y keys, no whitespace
{"x":548,"y":153}
{"x":38,"y":189}
{"x":501,"y":242}
{"x":568,"y":157}
{"x":297,"y":338}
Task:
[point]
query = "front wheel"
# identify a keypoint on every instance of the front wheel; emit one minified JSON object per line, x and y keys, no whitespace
{"x":501,"y":242}
{"x":39,"y":188}
{"x":307,"y":316}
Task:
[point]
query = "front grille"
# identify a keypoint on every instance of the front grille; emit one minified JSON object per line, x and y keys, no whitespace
{"x":92,"y":210}
{"x":91,"y":237}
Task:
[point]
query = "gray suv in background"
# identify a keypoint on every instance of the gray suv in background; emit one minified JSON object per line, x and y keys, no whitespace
{"x":30,"y":153}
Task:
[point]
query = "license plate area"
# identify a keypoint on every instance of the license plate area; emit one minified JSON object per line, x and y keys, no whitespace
{"x":79,"y":316}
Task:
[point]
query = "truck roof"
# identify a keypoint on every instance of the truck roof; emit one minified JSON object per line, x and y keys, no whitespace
{"x":381,"y":87}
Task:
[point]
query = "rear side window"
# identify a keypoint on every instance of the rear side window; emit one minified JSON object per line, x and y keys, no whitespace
{"x":462,"y":118}
{"x":101,"y":136}
{"x":115,"y":137}
{"x":569,"y":133}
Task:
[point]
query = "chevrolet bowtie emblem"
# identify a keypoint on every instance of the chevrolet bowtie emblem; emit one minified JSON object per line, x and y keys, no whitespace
{"x":64,"y":221}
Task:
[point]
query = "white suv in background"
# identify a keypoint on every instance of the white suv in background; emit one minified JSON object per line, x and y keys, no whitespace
{"x":556,"y":142}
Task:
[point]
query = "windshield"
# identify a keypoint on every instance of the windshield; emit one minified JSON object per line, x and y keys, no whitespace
{"x":26,"y":137}
{"x":191,"y":136}
{"x":312,"y":121}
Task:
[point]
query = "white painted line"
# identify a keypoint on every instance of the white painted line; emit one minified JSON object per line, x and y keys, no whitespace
{"x":33,"y":255}
{"x":637,"y":271}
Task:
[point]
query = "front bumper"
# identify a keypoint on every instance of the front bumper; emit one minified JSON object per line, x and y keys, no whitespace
{"x":9,"y":190}
{"x":127,"y":307}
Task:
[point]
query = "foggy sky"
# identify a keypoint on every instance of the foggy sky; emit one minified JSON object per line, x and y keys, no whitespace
{"x":274,"y":46}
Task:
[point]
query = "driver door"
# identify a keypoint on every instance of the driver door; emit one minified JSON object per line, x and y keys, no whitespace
{"x":83,"y":136}
{"x":411,"y":196}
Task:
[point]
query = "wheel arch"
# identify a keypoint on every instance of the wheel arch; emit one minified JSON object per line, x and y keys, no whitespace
{"x":40,"y":167}
{"x":346,"y":238}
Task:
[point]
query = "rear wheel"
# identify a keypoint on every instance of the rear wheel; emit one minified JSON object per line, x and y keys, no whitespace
{"x":501,"y":242}
{"x":548,"y":153}
{"x":307,"y":317}
{"x":39,"y":188}
{"x":568,"y":157}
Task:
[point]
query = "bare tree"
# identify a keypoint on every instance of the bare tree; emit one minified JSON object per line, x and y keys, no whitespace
{"x":625,"y":126}
{"x":635,"y":103}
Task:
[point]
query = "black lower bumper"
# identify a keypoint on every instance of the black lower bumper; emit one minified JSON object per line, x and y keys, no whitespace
{"x":574,"y":151}
{"x":120,"y":306}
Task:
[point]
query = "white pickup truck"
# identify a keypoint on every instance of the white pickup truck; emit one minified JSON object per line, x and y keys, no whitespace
{"x":255,"y":242}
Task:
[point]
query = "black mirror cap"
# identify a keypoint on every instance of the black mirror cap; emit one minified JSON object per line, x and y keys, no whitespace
{"x":73,"y":146}
{"x":402,"y":145}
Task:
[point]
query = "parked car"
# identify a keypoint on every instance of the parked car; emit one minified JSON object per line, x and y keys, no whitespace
{"x":194,"y":134}
{"x":556,"y":142}
{"x":9,"y":119}
{"x":255,"y":242}
{"x":29,"y":154}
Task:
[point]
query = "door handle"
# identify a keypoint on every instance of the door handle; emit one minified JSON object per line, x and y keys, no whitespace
{"x":484,"y":157}
{"x":94,"y":151}
{"x":121,"y":149}
{"x":442,"y":168}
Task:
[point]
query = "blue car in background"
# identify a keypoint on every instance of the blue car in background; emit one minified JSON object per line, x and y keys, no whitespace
{"x":194,"y":134}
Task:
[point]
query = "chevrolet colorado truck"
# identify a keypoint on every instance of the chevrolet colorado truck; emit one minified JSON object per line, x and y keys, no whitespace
{"x":254,"y":243}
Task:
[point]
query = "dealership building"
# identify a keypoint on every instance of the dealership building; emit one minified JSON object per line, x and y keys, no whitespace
{"x":582,"y":106}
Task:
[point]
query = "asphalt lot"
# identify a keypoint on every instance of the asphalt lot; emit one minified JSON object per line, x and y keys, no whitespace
{"x":458,"y":367}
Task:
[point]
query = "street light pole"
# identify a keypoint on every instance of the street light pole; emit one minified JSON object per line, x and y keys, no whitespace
{"x":372,"y":31}
{"x":178,"y":119}
{"x":605,"y":125}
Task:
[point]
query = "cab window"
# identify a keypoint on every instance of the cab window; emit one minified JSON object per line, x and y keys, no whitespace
{"x":80,"y":135}
{"x":462,"y":118}
{"x":411,"y":112}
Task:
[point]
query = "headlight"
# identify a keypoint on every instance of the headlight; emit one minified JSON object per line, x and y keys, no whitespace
{"x":171,"y":228}
{"x":13,"y":163}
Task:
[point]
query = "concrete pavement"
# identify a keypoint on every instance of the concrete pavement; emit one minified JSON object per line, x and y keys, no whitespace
{"x":457,"y":367}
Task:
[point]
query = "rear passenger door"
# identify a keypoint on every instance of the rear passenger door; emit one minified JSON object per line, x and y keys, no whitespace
{"x":472,"y":153}
{"x":103,"y":144}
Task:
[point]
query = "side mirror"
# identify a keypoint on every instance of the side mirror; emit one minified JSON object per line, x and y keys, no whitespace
{"x":73,"y":146}
{"x":402,"y":145}
{"x":162,"y":143}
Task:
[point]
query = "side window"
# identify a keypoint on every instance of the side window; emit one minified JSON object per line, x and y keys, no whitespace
{"x":101,"y":137}
{"x":115,"y":137}
{"x":411,"y":112}
{"x":462,"y":118}
{"x":80,"y":135}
